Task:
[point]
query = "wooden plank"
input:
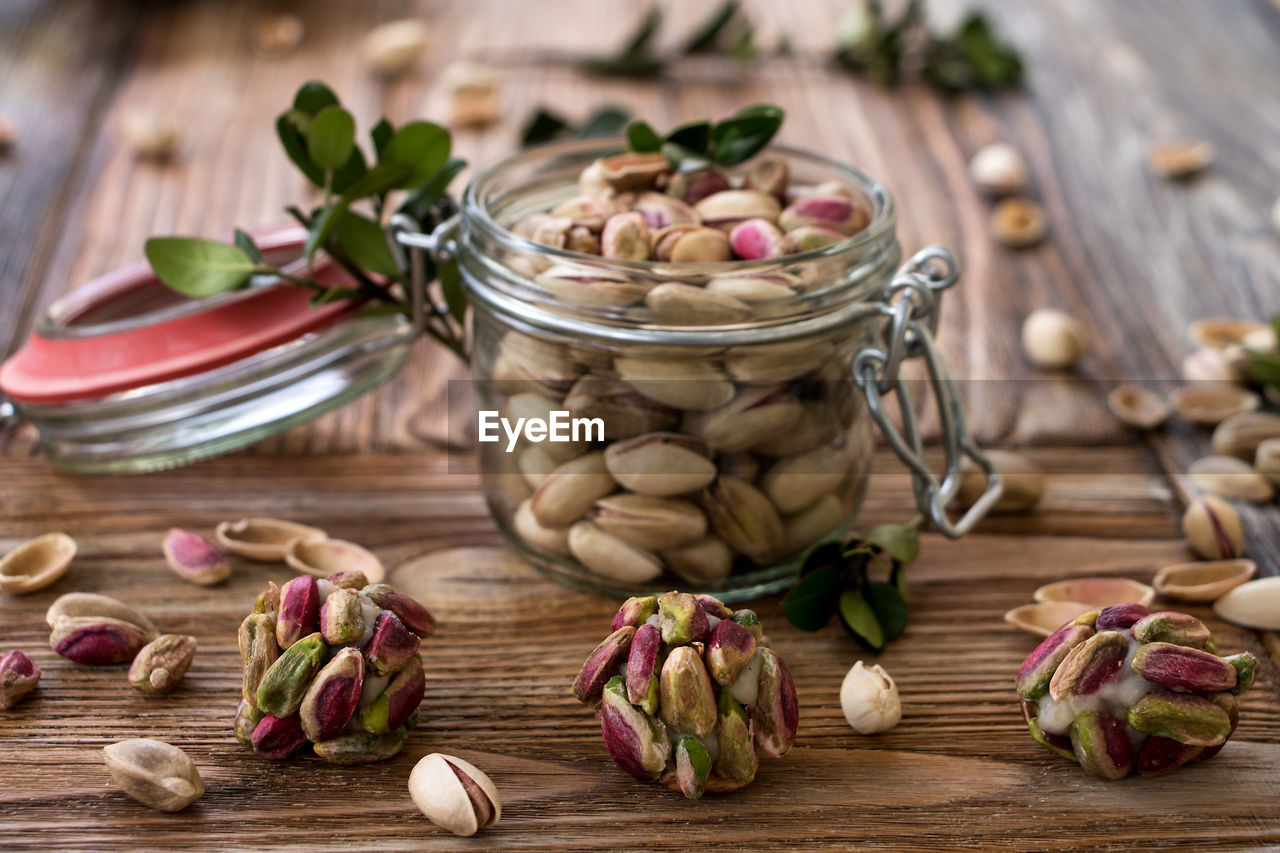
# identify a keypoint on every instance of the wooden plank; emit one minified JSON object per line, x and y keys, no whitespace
{"x":508,"y":646}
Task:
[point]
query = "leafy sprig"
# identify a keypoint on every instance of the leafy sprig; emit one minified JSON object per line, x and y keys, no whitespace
{"x":546,"y":125}
{"x":699,"y":145}
{"x":725,"y":32}
{"x":862,"y":581}
{"x":319,"y":137}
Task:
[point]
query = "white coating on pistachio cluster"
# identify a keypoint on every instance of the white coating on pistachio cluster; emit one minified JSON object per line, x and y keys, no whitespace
{"x":1116,"y":697}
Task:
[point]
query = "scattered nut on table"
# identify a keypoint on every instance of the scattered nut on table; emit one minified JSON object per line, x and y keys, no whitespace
{"x":1212,"y":528}
{"x":1023,"y":481}
{"x":8,"y":134}
{"x":454,"y":794}
{"x":473,"y":94}
{"x":278,"y":35}
{"x":36,"y":563}
{"x":393,"y":48}
{"x":869,"y":699}
{"x":1018,"y":222}
{"x":1137,"y":406}
{"x":1179,"y":159}
{"x":19,"y":675}
{"x":999,"y":169}
{"x":154,"y":773}
{"x":151,"y":135}
{"x":194,"y":558}
{"x":1053,"y":339}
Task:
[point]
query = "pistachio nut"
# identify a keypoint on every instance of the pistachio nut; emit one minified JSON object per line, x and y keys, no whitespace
{"x":262,"y":539}
{"x":1255,"y":604}
{"x":602,"y":663}
{"x":1267,"y":460}
{"x":638,"y":742}
{"x":247,"y":719}
{"x":1227,"y":703}
{"x":1183,"y":669}
{"x":1183,"y":717}
{"x":1018,"y":222}
{"x":36,"y":563}
{"x":571,"y":490}
{"x":409,"y":611}
{"x":625,"y":237}
{"x":727,"y":208}
{"x":1179,"y":159}
{"x":349,"y":579}
{"x":776,"y":712}
{"x":999,"y":169}
{"x":589,"y":211}
{"x":299,"y":611}
{"x":544,"y":229}
{"x":635,"y":611}
{"x":818,"y":424}
{"x":729,"y":650}
{"x":1090,"y":666}
{"x":692,"y":766}
{"x":839,"y":189}
{"x":1038,"y":669}
{"x":756,"y":414}
{"x":833,"y":212}
{"x":1230,"y":477}
{"x":1170,"y":626}
{"x":687,"y":700}
{"x":393,"y":707}
{"x":660,"y":210}
{"x":1246,"y":667}
{"x":1102,"y":745}
{"x":161,"y":664}
{"x":277,"y":738}
{"x":285,"y":684}
{"x":1212,"y":365}
{"x":768,"y":174}
{"x":608,"y":556}
{"x":633,"y":170}
{"x":454,"y":794}
{"x":332,"y":697}
{"x":542,"y":366}
{"x":705,"y":562}
{"x":1053,"y":340}
{"x":1058,"y":744}
{"x":809,"y":525}
{"x":660,"y":464}
{"x":691,"y":244}
{"x":1204,"y":580}
{"x":624,"y":410}
{"x":536,"y":464}
{"x":1120,"y":617}
{"x":1160,"y":755}
{"x":19,"y":675}
{"x":757,"y":239}
{"x":795,"y":483}
{"x":154,"y":773}
{"x":582,"y":240}
{"x":590,"y":287}
{"x":361,"y":747}
{"x":736,"y":757}
{"x":97,"y":640}
{"x":781,"y":362}
{"x":1137,"y":406}
{"x":650,"y":522}
{"x":322,"y":557}
{"x":754,"y":288}
{"x":686,"y":305}
{"x":713,"y":606}
{"x":681,"y":619}
{"x":1022,"y":479}
{"x":643,"y":666}
{"x":1212,"y":528}
{"x":259,"y":651}
{"x":194,"y":558}
{"x":1211,"y":403}
{"x":1241,"y":435}
{"x":808,"y":238}
{"x":693,"y":187}
{"x":395,"y":47}
{"x":392,"y":645}
{"x":533,"y":405}
{"x":744,"y":518}
{"x":527,"y":527}
{"x":691,"y":384}
{"x":342,"y":619}
{"x":76,"y":604}
{"x":740,"y":464}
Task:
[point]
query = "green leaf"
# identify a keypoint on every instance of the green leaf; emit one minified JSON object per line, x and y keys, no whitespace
{"x":196,"y":267}
{"x":321,"y":225}
{"x":422,"y":202}
{"x":636,"y":67}
{"x":312,"y":97}
{"x":642,"y":138}
{"x":684,"y":159}
{"x":248,"y":246}
{"x":605,"y":121}
{"x":888,"y":606}
{"x":899,"y":541}
{"x":1264,"y":367}
{"x":643,"y":34}
{"x":694,"y":135}
{"x":859,"y":620}
{"x":350,"y":172}
{"x":336,"y":293}
{"x":543,"y":126}
{"x":812,"y":600}
{"x":381,"y":134}
{"x":331,"y":138}
{"x":824,"y":554}
{"x":295,"y":146}
{"x":746,"y":134}
{"x":706,"y":35}
{"x":451,"y":285}
{"x":364,"y":241}
{"x":378,"y":180}
{"x":423,"y":146}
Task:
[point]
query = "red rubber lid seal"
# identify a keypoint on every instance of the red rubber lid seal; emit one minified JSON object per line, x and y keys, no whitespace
{"x":50,"y":370}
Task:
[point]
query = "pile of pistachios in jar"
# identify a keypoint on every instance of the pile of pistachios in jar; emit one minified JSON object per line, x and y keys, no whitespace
{"x":708,"y":457}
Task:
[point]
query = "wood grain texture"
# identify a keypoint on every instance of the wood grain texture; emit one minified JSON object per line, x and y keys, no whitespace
{"x":1135,"y":256}
{"x":959,"y":772}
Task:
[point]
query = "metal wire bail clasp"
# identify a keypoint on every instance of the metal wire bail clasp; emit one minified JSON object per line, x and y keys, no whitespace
{"x":409,"y":243}
{"x":911,"y":302}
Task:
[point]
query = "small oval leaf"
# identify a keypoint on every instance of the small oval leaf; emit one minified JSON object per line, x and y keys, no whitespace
{"x":196,"y":267}
{"x":860,"y":621}
{"x":812,"y":600}
{"x":331,"y":138}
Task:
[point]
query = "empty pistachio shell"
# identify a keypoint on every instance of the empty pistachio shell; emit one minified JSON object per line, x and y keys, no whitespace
{"x":1212,"y":528}
{"x":1097,"y":592}
{"x":1045,"y":617}
{"x":1018,"y":222}
{"x":1231,"y":478}
{"x":262,"y":539}
{"x":1205,"y":581}
{"x":1052,"y":339}
{"x":1179,"y":159}
{"x":1240,"y":435}
{"x":1137,"y":406}
{"x":999,"y":169}
{"x":1022,"y":478}
{"x":36,"y":563}
{"x":1223,"y":332}
{"x":1267,"y":460}
{"x":323,"y":557}
{"x":1212,"y":365}
{"x":1255,"y":604}
{"x":454,"y":794}
{"x":1211,"y":402}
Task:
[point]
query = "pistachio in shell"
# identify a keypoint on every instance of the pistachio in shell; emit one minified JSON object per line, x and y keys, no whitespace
{"x":1230,"y":477}
{"x":1255,"y":604}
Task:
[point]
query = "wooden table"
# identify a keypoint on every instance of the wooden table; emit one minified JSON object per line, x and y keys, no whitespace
{"x":1135,"y":256}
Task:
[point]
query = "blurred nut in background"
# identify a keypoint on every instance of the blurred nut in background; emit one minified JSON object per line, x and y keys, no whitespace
{"x":1023,"y":482}
{"x":1018,"y":222}
{"x":1212,"y":528}
{"x":394,"y":47}
{"x":1137,"y":406}
{"x":8,"y":133}
{"x":152,"y":136}
{"x":277,"y":35}
{"x":1052,"y":339}
{"x":999,"y":169}
{"x":1267,"y":460}
{"x":1179,"y":159}
{"x":473,"y":94}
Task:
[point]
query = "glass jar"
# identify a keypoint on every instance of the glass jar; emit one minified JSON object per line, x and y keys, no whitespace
{"x":714,"y":428}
